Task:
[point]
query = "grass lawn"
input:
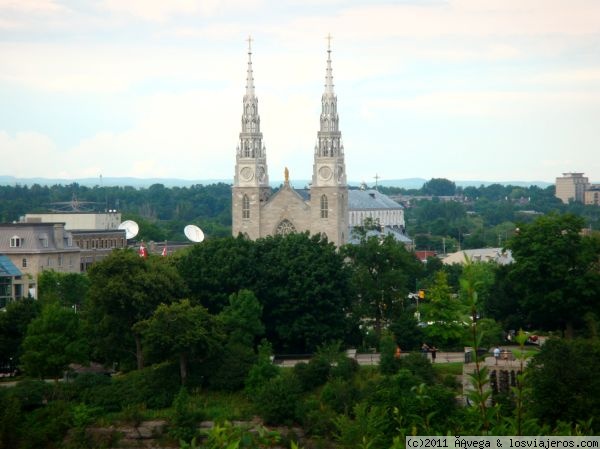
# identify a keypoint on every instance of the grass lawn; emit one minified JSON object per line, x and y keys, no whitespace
{"x":220,"y":406}
{"x":454,"y":368}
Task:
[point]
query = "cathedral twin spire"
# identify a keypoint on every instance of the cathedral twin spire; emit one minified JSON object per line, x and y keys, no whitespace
{"x":251,"y":145}
{"x":329,"y":138}
{"x":329,"y":142}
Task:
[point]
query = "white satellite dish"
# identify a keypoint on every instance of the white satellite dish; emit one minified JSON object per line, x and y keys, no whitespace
{"x":130,"y":227}
{"x":193,"y":233}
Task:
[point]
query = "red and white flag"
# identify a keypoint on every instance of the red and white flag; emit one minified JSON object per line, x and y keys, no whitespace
{"x":142,"y":251}
{"x":164,"y":251}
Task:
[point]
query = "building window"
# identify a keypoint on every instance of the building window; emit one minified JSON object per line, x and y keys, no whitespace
{"x":246,"y":207}
{"x":44,"y":240}
{"x":49,"y":262}
{"x":60,"y":260}
{"x":324,"y":206}
{"x":16,"y":242}
{"x":70,"y":261}
{"x":285,"y":227}
{"x":24,"y":263}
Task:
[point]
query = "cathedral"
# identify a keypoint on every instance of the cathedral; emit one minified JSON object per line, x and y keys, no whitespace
{"x":322,"y":208}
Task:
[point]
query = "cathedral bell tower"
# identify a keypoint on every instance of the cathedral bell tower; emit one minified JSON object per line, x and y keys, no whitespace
{"x":329,"y":190}
{"x":251,"y":180}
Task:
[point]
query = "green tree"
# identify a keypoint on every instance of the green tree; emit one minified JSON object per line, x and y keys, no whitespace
{"x":556,"y":272}
{"x":217,"y":269}
{"x":439,"y":187}
{"x":444,"y":314}
{"x":564,"y":382}
{"x":304,"y":288}
{"x":69,"y":289}
{"x":300,"y":281}
{"x":180,"y":330}
{"x":406,"y":330}
{"x":383,"y":272}
{"x":13,"y":325}
{"x":125,"y":289}
{"x":242,"y":318}
{"x":53,"y":340}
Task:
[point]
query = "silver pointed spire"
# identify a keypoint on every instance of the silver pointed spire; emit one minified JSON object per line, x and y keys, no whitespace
{"x":249,"y":77}
{"x":329,"y":72}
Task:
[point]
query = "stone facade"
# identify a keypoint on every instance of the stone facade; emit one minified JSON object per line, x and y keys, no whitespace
{"x":35,"y":247}
{"x":96,"y":234}
{"x":322,"y":209}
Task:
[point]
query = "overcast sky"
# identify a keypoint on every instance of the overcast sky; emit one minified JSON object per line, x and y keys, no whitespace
{"x":492,"y":90}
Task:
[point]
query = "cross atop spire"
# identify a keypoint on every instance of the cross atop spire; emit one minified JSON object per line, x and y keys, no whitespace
{"x":329,"y":72}
{"x":249,"y":76}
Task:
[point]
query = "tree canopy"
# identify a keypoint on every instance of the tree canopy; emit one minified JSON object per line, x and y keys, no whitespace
{"x":53,"y":340}
{"x":382,"y":274}
{"x":180,"y":330}
{"x":556,"y":272}
{"x":124,"y":289}
{"x":439,"y":187}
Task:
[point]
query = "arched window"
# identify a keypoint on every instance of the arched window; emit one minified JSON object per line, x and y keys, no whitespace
{"x":324,"y":206}
{"x":285,"y":227}
{"x":246,"y":207}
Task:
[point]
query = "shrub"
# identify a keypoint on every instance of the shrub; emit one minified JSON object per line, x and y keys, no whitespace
{"x":340,"y":395}
{"x":155,"y":386}
{"x":419,"y":366}
{"x":262,"y":371}
{"x":184,"y":417}
{"x":276,"y":401}
{"x":317,"y":418}
{"x":133,"y":414}
{"x":83,"y":386}
{"x":345,"y":368}
{"x":366,"y":428}
{"x":389,"y":363}
{"x":233,"y":367}
{"x":11,"y":417}
{"x":312,"y":374}
{"x":47,"y":425}
{"x":31,"y":393}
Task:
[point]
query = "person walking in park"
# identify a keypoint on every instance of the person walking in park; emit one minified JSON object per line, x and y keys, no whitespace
{"x":398,"y":352}
{"x":496,"y":354}
{"x":433,"y":351}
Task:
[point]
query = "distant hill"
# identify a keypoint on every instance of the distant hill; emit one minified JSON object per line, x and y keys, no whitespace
{"x":407,"y":183}
{"x":91,"y":182}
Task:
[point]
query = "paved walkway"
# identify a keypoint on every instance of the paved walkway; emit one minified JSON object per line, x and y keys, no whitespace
{"x":366,"y":359}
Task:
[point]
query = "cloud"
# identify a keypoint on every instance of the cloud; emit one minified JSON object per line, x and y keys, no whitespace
{"x":32,"y":6}
{"x":27,"y":154}
{"x":162,"y":11}
{"x":72,"y":68}
{"x":468,"y":18}
{"x":174,"y":135}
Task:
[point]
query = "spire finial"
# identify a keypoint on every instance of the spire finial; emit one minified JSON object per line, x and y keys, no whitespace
{"x":250,"y":77}
{"x":249,"y":44}
{"x":328,"y":72}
